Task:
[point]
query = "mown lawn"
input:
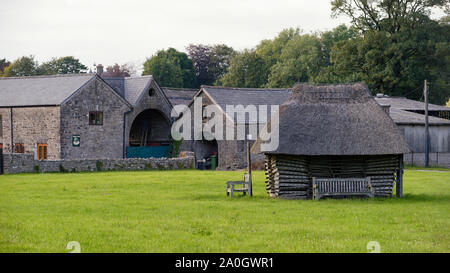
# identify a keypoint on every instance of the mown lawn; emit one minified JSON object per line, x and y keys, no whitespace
{"x":187,"y":211}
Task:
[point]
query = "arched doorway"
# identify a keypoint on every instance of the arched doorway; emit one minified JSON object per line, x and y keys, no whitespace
{"x":149,"y":135}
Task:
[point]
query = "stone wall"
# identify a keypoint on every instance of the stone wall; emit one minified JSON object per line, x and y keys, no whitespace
{"x":97,"y":141}
{"x":32,"y":126}
{"x":25,"y":163}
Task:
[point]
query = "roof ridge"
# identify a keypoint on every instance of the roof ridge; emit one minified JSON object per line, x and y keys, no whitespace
{"x":47,"y":76}
{"x":138,"y":77}
{"x":180,"y":88}
{"x":244,"y":88}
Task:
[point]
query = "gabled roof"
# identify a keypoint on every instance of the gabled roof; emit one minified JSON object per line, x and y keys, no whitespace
{"x":224,"y":96}
{"x":130,"y":88}
{"x":40,"y":90}
{"x":407,"y":104}
{"x":341,"y":119}
{"x":406,"y":117}
{"x":55,"y":89}
{"x":134,"y":86}
{"x":179,"y":95}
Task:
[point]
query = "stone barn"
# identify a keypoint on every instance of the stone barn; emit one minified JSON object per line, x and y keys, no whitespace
{"x":232,"y":154}
{"x":333,"y":131}
{"x":84,"y":116}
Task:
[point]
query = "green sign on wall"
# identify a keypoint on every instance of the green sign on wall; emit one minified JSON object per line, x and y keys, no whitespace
{"x":76,"y":139}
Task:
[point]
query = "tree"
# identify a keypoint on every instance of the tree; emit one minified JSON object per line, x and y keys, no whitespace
{"x":220,"y":57}
{"x":3,"y":64}
{"x":245,"y":70}
{"x":200,"y":56}
{"x":256,"y":64}
{"x":300,"y":60}
{"x":125,"y":70}
{"x":386,"y":15}
{"x":210,"y":62}
{"x":23,"y":66}
{"x":171,"y":68}
{"x":62,"y":65}
{"x":398,"y":47}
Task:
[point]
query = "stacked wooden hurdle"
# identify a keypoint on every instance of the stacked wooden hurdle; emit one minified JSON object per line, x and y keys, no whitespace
{"x":290,"y":176}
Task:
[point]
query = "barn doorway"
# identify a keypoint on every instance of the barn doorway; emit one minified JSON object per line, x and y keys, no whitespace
{"x":206,"y":154}
{"x":149,"y":135}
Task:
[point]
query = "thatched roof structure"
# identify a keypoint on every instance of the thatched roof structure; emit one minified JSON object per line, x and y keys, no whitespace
{"x":341,"y":119}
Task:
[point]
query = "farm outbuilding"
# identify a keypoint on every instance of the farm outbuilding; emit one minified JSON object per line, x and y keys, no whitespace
{"x":333,"y":131}
{"x":410,"y":119}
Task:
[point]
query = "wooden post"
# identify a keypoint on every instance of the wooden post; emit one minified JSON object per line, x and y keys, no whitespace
{"x":427,"y":133}
{"x":249,"y":167}
{"x":399,"y":186}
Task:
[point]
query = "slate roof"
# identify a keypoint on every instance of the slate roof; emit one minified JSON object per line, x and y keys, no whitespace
{"x":224,"y":96}
{"x":407,"y":104}
{"x":54,"y":89}
{"x":179,"y":95}
{"x":404,"y":117}
{"x":134,"y":86}
{"x":341,"y":119}
{"x":39,"y":90}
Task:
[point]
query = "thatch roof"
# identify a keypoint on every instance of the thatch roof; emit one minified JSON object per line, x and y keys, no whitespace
{"x":339,"y":119}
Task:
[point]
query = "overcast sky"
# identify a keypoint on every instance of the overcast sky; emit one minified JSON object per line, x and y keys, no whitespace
{"x":110,"y":31}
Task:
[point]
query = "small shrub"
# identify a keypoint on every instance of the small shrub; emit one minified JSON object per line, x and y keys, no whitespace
{"x":62,"y":169}
{"x":180,"y":165}
{"x":99,"y":165}
{"x":160,"y":166}
{"x":36,"y":168}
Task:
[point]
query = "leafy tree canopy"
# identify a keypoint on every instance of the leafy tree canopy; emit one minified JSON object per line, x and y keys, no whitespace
{"x":171,"y":68}
{"x":23,"y":66}
{"x":398,"y":47}
{"x":62,"y":65}
{"x":210,"y":62}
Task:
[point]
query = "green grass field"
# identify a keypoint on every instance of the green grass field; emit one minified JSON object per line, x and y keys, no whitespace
{"x":188,"y":211}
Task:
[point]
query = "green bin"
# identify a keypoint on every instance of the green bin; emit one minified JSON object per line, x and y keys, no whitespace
{"x":213,"y":162}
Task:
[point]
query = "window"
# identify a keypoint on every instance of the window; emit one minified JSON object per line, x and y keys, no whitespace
{"x":204,"y":114}
{"x":151,"y":92}
{"x":95,"y":118}
{"x":42,"y":151}
{"x":19,"y":148}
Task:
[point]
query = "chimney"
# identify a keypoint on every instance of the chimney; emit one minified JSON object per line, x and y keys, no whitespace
{"x":386,"y":108}
{"x":99,"y":69}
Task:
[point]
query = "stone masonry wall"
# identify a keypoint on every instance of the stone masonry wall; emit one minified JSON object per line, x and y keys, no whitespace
{"x":32,"y":126}
{"x":232,"y":154}
{"x":97,"y":141}
{"x":25,"y":163}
